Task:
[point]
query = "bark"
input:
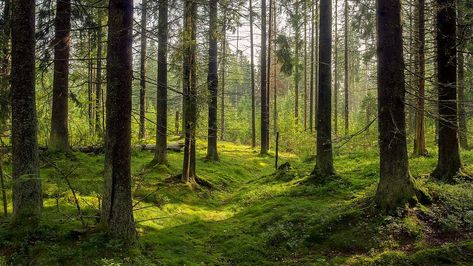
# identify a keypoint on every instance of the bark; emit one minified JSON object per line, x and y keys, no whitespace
{"x":312,"y":70}
{"x":190,"y":93}
{"x":98,"y":81}
{"x":142,"y":129}
{"x":449,"y":162}
{"x":117,"y":210}
{"x":252,"y":64}
{"x":222,"y":75}
{"x":305,"y":65}
{"x":264,"y":94}
{"x":347,"y":79}
{"x":324,"y":160}
{"x":59,"y":139}
{"x":335,"y":88}
{"x":160,"y":155}
{"x":27,"y":195}
{"x":275,"y":95}
{"x":462,"y":119}
{"x":212,"y":81}
{"x":5,"y":30}
{"x":269,"y":83}
{"x":296,"y":64}
{"x":419,"y":141}
{"x":396,"y":187}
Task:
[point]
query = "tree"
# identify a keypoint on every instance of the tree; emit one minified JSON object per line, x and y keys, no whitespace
{"x":312,"y":66}
{"x":263,"y":78}
{"x":59,"y":139}
{"x":449,"y":162}
{"x":190,"y":92}
{"x":462,"y":123}
{"x":335,"y":88}
{"x":98,"y":83}
{"x":212,"y":81}
{"x":117,"y":209}
{"x":396,"y":187}
{"x":142,"y":129}
{"x":27,"y":193}
{"x":222,"y":74}
{"x":324,"y":161}
{"x":347,"y":79}
{"x":160,"y":156}
{"x":252,"y":64}
{"x":419,"y":141}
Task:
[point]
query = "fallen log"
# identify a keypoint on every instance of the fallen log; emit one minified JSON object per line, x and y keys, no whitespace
{"x":173,"y":146}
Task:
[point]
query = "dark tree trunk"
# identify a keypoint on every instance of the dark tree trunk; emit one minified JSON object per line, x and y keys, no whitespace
{"x":252,"y":64}
{"x":27,"y":197}
{"x":324,"y":160}
{"x":264,"y":94}
{"x":462,"y":121}
{"x":5,"y":30}
{"x":396,"y":187}
{"x":268,"y":62}
{"x":312,"y":70}
{"x":212,"y":81}
{"x":142,"y":130}
{"x":98,"y":81}
{"x":190,"y":93}
{"x":305,"y":64}
{"x":117,"y":210}
{"x":59,"y":140}
{"x":296,"y":64}
{"x":162,"y":93}
{"x":347,"y":79}
{"x":419,"y":141}
{"x":222,"y":75}
{"x":449,"y":162}
{"x":335,"y":87}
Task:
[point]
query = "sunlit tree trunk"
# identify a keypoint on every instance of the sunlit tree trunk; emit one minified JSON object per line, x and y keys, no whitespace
{"x":117,"y":209}
{"x":419,"y":141}
{"x":347,"y":78}
{"x":142,"y":129}
{"x":252,"y":64}
{"x":263,"y":73}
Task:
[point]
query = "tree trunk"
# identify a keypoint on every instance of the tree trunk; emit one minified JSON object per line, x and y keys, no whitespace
{"x":296,"y":64}
{"x":222,"y":74}
{"x":462,"y":119}
{"x":347,"y":79}
{"x":98,"y":81}
{"x":324,"y":160}
{"x":27,"y":194}
{"x":269,"y":83}
{"x":275,"y":65}
{"x":449,"y":162}
{"x":419,"y":141}
{"x":264,"y":94}
{"x":312,"y":70}
{"x":212,"y":81}
{"x":117,"y":210}
{"x":335,"y":87}
{"x":305,"y":65}
{"x":396,"y":187}
{"x":142,"y":129}
{"x":252,"y":64}
{"x":59,"y":139}
{"x":190,"y":93}
{"x":160,"y":155}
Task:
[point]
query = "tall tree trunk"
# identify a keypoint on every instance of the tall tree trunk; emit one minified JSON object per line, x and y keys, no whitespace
{"x":335,"y":87}
{"x":98,"y":80}
{"x":296,"y":64}
{"x":305,"y":65}
{"x":462,"y":122}
{"x":275,"y":65}
{"x":27,"y":197}
{"x":90,"y":85}
{"x":419,"y":141}
{"x":59,"y":139}
{"x":212,"y":81}
{"x":347,"y":79}
{"x":117,"y":209}
{"x":190,"y":92}
{"x":317,"y":63}
{"x":270,"y":51}
{"x":5,"y":31}
{"x":222,"y":74}
{"x":160,"y":155}
{"x":449,"y":162}
{"x":252,"y":64}
{"x":324,"y":160}
{"x":396,"y":187}
{"x":263,"y":73}
{"x":142,"y":129}
{"x":312,"y":70}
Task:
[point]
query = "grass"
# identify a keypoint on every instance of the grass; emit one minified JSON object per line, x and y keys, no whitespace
{"x":253,"y":216}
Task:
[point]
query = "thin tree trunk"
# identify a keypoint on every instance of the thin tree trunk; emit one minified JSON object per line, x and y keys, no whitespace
{"x":222,"y":75}
{"x":462,"y":121}
{"x":347,"y":79}
{"x":275,"y":65}
{"x":396,"y":187}
{"x":27,"y":193}
{"x":305,"y":65}
{"x":190,"y":93}
{"x":312,"y":70}
{"x":324,"y":160}
{"x":98,"y":81}
{"x":335,"y":87}
{"x":419,"y":141}
{"x":117,"y":210}
{"x":449,"y":162}
{"x":263,"y":73}
{"x":142,"y":129}
{"x":296,"y":64}
{"x":160,"y":156}
{"x":269,"y":67}
{"x":252,"y":64}
{"x":212,"y":81}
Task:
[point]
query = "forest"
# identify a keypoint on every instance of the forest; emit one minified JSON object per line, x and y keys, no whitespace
{"x":236,"y":132}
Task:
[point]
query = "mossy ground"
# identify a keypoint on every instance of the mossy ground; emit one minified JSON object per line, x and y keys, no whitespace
{"x":252,"y":216}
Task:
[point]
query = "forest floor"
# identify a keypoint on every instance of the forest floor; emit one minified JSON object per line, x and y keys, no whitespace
{"x":253,"y":215}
